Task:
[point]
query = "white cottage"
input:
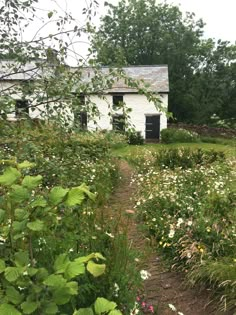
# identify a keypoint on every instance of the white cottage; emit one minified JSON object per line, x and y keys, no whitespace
{"x":144,"y":116}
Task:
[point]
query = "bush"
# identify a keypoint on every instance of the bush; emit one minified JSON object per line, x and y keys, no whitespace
{"x":172,"y":135}
{"x":135,"y":137}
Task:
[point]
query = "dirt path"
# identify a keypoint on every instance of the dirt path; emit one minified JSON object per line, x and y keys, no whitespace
{"x":163,"y":287}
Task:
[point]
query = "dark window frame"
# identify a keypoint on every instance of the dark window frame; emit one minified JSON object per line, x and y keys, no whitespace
{"x":117,"y":99}
{"x":21,"y":108}
{"x":117,"y":120}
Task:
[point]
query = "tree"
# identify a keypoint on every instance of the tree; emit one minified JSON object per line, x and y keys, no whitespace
{"x":145,"y":33}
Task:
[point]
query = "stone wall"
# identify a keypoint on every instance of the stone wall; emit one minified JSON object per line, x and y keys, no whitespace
{"x":206,"y":130}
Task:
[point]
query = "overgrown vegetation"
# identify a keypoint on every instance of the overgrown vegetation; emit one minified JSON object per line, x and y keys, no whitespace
{"x":55,"y":238}
{"x":187,"y":203}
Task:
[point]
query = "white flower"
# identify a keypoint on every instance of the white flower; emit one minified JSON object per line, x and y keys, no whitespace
{"x":180,"y":313}
{"x":180,"y":221}
{"x":145,"y":274}
{"x":189,"y":223}
{"x":109,"y":234}
{"x":171,"y":234}
{"x":172,"y":307}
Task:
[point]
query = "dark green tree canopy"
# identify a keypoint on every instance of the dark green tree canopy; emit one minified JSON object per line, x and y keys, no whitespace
{"x":145,"y":33}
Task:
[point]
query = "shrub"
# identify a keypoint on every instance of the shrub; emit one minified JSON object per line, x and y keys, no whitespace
{"x":135,"y":137}
{"x":172,"y":135}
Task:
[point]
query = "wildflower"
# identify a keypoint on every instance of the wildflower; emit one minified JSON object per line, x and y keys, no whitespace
{"x":145,"y":274}
{"x":110,"y":235}
{"x":151,"y":309}
{"x":171,"y":234}
{"x":180,"y":221}
{"x":172,"y":307}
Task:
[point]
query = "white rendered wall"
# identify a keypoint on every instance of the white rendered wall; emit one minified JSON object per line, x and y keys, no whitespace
{"x":140,"y":107}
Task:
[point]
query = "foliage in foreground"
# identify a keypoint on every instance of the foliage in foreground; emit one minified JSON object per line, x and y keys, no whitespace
{"x":172,"y":135}
{"x":191,"y":213}
{"x":60,"y":159}
{"x":30,"y":218}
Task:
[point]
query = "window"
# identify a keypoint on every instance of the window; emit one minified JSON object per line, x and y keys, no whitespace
{"x":21,"y":108}
{"x":118,"y":123}
{"x":83,"y":120}
{"x":117,"y":101}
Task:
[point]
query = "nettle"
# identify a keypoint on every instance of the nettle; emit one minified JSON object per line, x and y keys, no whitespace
{"x":29,"y":282}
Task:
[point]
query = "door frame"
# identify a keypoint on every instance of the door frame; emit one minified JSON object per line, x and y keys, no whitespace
{"x":152,"y":115}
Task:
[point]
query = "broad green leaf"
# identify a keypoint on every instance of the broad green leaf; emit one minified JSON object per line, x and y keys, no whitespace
{"x":96,"y":269}
{"x":9,"y":176}
{"x":12,"y":274}
{"x":19,"y":194}
{"x":2,"y":266}
{"x":36,"y":225}
{"x":29,"y":307}
{"x":31,"y":271}
{"x":18,"y":227}
{"x":7,"y":309}
{"x":57,"y":194}
{"x":74,"y":269}
{"x":39,"y":202}
{"x":75,"y":197}
{"x":55,"y":281}
{"x":103,"y":306}
{"x":84,"y":311}
{"x":61,"y":295}
{"x":85,"y":189}
{"x":13,"y":295}
{"x":51,"y":308}
{"x":42,"y":274}
{"x":85,"y":259}
{"x":26,"y":164}
{"x":115,"y":312}
{"x":22,"y":258}
{"x":61,"y":263}
{"x":21,"y":214}
{"x":72,"y":287}
{"x":2,"y":215}
{"x":32,"y":182}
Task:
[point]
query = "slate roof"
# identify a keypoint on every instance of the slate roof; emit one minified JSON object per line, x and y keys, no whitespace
{"x":155,"y":76}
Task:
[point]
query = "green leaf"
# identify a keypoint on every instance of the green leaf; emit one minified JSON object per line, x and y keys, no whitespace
{"x":7,"y":309}
{"x":84,"y":311}
{"x":2,"y":266}
{"x":26,"y":164}
{"x":85,"y":189}
{"x":61,"y":295}
{"x":9,"y":176}
{"x":36,"y":225}
{"x":115,"y":312}
{"x":51,"y":308}
{"x":22,"y":258}
{"x":50,"y":14}
{"x":19,"y":194}
{"x":72,"y":287}
{"x":55,"y":281}
{"x":61,"y":263}
{"x":13,"y":295}
{"x":75,"y":197}
{"x":2,"y":215}
{"x":39,"y":202}
{"x":21,"y":214}
{"x":96,"y":269}
{"x":57,"y":194}
{"x":85,"y":259}
{"x":18,"y":227}
{"x":12,"y":274}
{"x":74,"y":269}
{"x":103,"y":306}
{"x":29,"y":307}
{"x":32,"y":182}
